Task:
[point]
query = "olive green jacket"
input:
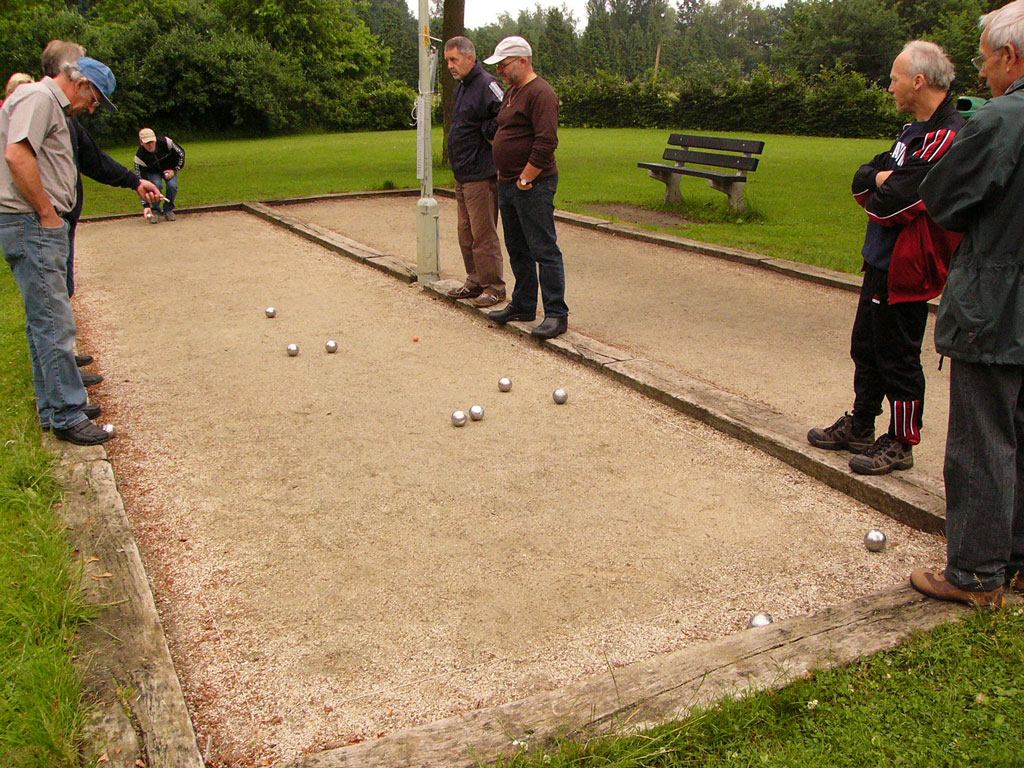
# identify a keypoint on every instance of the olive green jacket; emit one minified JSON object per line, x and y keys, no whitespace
{"x":978,"y":188}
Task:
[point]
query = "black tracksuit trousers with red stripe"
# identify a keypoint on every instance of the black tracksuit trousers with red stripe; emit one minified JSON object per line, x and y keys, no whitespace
{"x":886,"y":350}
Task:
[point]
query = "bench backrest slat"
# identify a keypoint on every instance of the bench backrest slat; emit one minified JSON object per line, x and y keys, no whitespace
{"x":717,"y":143}
{"x":736,"y":162}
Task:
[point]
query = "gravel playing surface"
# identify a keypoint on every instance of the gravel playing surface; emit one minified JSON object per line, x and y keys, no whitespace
{"x":333,"y":560}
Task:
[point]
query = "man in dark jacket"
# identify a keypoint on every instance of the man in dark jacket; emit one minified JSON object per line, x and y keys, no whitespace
{"x":906,"y":257}
{"x":977,"y":189}
{"x":159,"y":160}
{"x":477,"y":101}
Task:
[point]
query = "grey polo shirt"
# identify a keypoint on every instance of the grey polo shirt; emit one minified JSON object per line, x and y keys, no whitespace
{"x":36,"y":112}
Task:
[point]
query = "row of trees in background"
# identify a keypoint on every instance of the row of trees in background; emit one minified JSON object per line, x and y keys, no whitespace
{"x":274,"y":66}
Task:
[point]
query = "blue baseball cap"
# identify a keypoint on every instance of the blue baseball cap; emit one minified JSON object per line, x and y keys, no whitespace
{"x":99,"y":74}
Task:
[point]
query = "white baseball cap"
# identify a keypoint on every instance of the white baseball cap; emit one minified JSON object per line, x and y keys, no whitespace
{"x":513,"y":47}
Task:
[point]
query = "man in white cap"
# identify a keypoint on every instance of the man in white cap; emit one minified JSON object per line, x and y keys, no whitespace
{"x":159,"y":160}
{"x":524,"y":154}
{"x":37,"y":188}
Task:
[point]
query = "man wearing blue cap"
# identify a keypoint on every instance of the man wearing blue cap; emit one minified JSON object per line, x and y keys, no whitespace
{"x":37,"y":188}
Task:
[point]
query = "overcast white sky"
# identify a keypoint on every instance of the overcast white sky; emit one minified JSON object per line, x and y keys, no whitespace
{"x":480,"y":12}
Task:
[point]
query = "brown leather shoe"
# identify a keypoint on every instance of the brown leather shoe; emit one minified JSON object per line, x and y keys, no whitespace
{"x":488,"y":298}
{"x":465,"y":291}
{"x":1016,"y":583}
{"x":934,"y":584}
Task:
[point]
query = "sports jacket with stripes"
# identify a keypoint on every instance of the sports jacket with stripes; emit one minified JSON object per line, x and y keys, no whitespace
{"x":167,"y":156}
{"x":901,"y":237}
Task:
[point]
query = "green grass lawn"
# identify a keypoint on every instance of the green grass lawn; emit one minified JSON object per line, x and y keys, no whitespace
{"x":800,"y":192}
{"x":948,"y":699}
{"x":40,"y":606}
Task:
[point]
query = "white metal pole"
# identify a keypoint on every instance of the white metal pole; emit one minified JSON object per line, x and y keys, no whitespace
{"x":428,"y":236}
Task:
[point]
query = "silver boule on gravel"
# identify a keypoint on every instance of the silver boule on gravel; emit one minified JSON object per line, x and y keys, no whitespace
{"x":760,"y":620}
{"x":110,"y":429}
{"x":875,"y":540}
{"x":331,"y":346}
{"x":270,"y":312}
{"x":476,"y":412}
{"x":459,"y":419}
{"x":560,"y":396}
{"x":293,"y":350}
{"x":505,"y":384}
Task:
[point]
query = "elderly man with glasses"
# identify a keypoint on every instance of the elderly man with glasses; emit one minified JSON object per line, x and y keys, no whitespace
{"x":977,"y":189}
{"x":37,"y":188}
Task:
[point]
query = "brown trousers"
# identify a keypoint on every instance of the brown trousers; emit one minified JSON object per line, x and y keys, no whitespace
{"x":478,"y":233}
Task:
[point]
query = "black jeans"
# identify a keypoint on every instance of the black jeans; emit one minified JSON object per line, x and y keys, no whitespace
{"x":886,"y":350}
{"x":528,"y":218}
{"x":984,"y":474}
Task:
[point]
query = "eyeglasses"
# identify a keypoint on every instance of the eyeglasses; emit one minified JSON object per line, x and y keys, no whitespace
{"x":979,"y":60}
{"x":505,"y":63}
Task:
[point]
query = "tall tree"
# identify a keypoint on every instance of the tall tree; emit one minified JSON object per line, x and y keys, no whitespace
{"x":454,"y":24}
{"x":556,"y":53}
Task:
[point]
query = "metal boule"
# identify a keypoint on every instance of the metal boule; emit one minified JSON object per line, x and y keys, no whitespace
{"x":331,"y":346}
{"x":875,"y":540}
{"x":505,"y":384}
{"x":293,"y":350}
{"x":459,"y":418}
{"x":270,"y":312}
{"x":560,"y":396}
{"x":760,"y":620}
{"x":476,"y":412}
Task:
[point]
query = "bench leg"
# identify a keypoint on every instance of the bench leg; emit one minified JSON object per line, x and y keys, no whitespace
{"x":671,"y":182}
{"x":734,"y":189}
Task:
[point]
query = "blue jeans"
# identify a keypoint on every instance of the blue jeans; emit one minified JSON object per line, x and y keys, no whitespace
{"x":171,"y":193}
{"x":38,"y":257}
{"x":984,"y":473}
{"x":528,"y":218}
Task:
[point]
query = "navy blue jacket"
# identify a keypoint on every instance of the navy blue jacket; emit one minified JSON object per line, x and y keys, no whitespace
{"x":477,"y":101}
{"x":97,"y":165}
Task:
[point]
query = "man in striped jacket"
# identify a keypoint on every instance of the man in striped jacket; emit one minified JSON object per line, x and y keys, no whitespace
{"x":906,"y":259}
{"x":159,"y":160}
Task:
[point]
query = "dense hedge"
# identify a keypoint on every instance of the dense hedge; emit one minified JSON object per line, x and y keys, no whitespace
{"x":834,"y":103}
{"x":184,"y":67}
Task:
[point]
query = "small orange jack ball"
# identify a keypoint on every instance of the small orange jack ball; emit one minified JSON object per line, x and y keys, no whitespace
{"x":415,"y":338}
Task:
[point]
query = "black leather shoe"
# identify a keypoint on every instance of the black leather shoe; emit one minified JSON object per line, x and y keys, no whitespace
{"x":551,"y":327}
{"x":83,"y":360}
{"x":83,"y":433}
{"x":510,"y":314}
{"x":88,"y":379}
{"x":91,"y":411}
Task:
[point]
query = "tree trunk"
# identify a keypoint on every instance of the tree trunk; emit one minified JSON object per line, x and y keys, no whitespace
{"x":454,"y":23}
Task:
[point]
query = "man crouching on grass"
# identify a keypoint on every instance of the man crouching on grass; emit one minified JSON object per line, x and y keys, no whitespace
{"x":906,"y":258}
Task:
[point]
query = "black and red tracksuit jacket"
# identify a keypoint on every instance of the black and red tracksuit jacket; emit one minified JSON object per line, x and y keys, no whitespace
{"x":901,"y":237}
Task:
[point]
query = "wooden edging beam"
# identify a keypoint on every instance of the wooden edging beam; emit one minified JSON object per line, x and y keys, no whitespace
{"x":138,"y":708}
{"x":657,"y":690}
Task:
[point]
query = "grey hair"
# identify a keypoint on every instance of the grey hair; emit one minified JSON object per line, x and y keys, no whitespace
{"x":1005,"y":26}
{"x":464,"y":44}
{"x":58,"y":54}
{"x":930,"y":60}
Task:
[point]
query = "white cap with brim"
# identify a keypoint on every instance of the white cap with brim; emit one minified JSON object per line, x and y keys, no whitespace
{"x":510,"y":47}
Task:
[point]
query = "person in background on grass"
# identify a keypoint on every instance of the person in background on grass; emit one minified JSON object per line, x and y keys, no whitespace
{"x":159,"y":160}
{"x":977,"y":189}
{"x":37,"y":188}
{"x":18,"y":78}
{"x":477,"y":101}
{"x":94,"y":163}
{"x":906,"y":257}
{"x":524,"y":154}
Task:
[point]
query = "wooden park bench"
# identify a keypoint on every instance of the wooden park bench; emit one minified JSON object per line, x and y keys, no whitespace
{"x":687,"y":155}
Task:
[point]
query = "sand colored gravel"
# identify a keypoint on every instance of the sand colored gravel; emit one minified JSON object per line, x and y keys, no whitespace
{"x":333,"y":560}
{"x":769,"y":338}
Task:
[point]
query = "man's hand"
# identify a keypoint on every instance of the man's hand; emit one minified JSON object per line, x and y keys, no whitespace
{"x":148,"y":191}
{"x":168,"y":174}
{"x":881,"y":176}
